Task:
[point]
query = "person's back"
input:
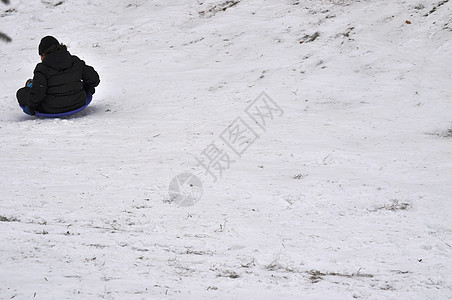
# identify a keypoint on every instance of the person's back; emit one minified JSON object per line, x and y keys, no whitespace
{"x":60,"y":82}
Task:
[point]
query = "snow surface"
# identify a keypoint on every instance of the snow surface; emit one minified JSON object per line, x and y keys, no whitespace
{"x":346,"y":195}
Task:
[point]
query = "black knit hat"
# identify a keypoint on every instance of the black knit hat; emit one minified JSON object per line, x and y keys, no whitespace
{"x":46,"y":43}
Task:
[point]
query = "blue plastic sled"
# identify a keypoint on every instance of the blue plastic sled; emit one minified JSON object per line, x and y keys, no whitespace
{"x":89,"y":97}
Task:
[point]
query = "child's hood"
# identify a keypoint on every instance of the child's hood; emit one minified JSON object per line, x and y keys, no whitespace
{"x":58,"y":60}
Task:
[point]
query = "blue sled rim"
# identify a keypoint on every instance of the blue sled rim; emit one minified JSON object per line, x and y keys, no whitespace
{"x":89,"y":98}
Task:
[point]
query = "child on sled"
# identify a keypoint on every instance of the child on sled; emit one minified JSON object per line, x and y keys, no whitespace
{"x":61,"y":81}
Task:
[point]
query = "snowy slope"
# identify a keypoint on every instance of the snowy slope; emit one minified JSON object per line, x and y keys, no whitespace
{"x":347,"y":194}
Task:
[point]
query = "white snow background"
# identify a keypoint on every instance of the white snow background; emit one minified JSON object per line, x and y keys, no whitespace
{"x":346,"y":195}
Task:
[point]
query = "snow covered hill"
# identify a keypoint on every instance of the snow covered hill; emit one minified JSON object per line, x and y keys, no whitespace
{"x":345,"y":192}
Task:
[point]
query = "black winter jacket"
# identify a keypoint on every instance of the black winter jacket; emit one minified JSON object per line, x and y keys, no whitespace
{"x":60,"y":83}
